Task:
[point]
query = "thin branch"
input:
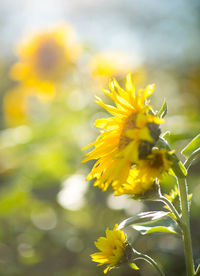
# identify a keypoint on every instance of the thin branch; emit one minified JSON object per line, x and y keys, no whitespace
{"x":150,"y":261}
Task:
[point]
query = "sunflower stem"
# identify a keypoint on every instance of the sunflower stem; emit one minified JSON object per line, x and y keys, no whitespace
{"x":185,"y":226}
{"x":197,"y":272}
{"x":150,"y":261}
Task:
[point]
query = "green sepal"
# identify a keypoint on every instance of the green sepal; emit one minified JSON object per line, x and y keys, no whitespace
{"x":134,"y":266}
{"x":174,"y":193}
{"x":152,"y":194}
{"x":129,"y":254}
{"x":177,"y":166}
{"x":163,"y":111}
{"x":192,"y":146}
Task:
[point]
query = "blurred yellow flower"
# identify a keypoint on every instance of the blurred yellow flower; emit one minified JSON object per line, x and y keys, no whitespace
{"x":112,"y":248}
{"x":110,"y":64}
{"x":15,"y":107}
{"x":145,"y":172}
{"x":126,"y":137}
{"x":45,"y":58}
{"x":106,"y":65}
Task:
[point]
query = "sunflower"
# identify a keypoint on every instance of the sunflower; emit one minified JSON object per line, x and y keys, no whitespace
{"x":143,"y":175}
{"x":137,"y":183}
{"x":110,"y":64}
{"x":112,"y":249}
{"x":126,"y":137}
{"x":15,"y":106}
{"x":157,"y":163}
{"x":44,"y":59}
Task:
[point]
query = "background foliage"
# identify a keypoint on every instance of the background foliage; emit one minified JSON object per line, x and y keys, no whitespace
{"x":49,"y":215}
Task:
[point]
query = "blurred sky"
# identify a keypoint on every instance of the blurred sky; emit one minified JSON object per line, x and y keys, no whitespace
{"x":156,"y":31}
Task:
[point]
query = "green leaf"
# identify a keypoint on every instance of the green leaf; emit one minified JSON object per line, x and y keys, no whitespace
{"x":151,"y":222}
{"x":177,"y":167}
{"x":162,"y":226}
{"x":157,"y":229}
{"x":195,"y":154}
{"x":192,"y":146}
{"x":134,"y":266}
{"x":163,"y":111}
{"x":144,"y":217}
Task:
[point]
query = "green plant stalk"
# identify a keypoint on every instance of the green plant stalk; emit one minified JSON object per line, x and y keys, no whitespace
{"x":150,"y":261}
{"x":186,"y":226}
{"x":197,"y":272}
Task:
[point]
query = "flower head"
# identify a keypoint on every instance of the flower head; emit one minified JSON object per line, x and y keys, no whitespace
{"x":15,"y":106}
{"x":110,"y":64}
{"x":45,"y":57}
{"x":137,"y":183}
{"x":157,"y":163}
{"x":143,"y":175}
{"x":126,"y":137}
{"x":112,"y":249}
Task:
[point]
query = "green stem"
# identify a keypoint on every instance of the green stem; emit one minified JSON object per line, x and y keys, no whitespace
{"x":197,"y":272}
{"x":186,"y":226}
{"x":150,"y":261}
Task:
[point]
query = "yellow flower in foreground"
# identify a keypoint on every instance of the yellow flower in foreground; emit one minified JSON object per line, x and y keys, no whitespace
{"x":143,"y":175}
{"x":126,"y":137}
{"x":112,"y":249}
{"x":45,"y":58}
{"x":137,"y":183}
{"x":15,"y":106}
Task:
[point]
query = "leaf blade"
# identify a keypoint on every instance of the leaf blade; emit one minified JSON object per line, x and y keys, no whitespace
{"x":144,"y":217}
{"x":163,"y":111}
{"x":192,"y":146}
{"x":144,"y":230}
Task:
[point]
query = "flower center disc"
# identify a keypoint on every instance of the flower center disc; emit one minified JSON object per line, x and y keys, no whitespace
{"x":130,"y":124}
{"x":48,"y":55}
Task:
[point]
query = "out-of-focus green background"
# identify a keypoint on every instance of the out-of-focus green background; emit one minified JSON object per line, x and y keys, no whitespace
{"x":49,"y":215}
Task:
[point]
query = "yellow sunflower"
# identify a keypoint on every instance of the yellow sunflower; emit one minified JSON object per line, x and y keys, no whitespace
{"x":157,"y":163}
{"x":126,"y":137}
{"x":110,"y":64}
{"x":45,"y":58}
{"x":142,"y":175}
{"x":112,"y":249}
{"x":15,"y":106}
